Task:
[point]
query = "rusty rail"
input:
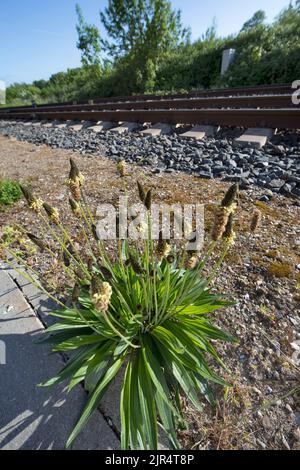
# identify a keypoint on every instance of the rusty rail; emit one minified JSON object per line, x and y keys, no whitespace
{"x":273,"y":118}
{"x":268,"y":101}
{"x":277,"y":89}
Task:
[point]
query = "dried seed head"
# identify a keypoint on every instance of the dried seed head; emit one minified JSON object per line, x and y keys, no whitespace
{"x":121,"y":167}
{"x":255,"y":221}
{"x":75,"y":207}
{"x":230,"y":196}
{"x":148,"y":200}
{"x":52,"y":213}
{"x":142,"y":193}
{"x":220,"y":223}
{"x":75,"y":293}
{"x":37,"y":241}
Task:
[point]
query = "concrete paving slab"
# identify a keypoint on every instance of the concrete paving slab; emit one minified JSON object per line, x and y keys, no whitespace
{"x":101,"y":126}
{"x":199,"y":132}
{"x":75,"y":125}
{"x":59,"y":124}
{"x":125,"y":127}
{"x":32,"y":417}
{"x":158,"y":129}
{"x":255,"y":137}
{"x":88,"y":124}
{"x":37,"y":123}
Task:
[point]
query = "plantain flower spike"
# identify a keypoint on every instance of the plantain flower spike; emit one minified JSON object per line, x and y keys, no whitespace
{"x":37,"y":241}
{"x":170,"y":259}
{"x":229,"y":234}
{"x":142,"y":193}
{"x":148,"y":200}
{"x":163,"y":248}
{"x":75,"y":175}
{"x":75,"y":180}
{"x":35,"y":204}
{"x":135,"y":265}
{"x":255,"y":221}
{"x":2,"y":254}
{"x":192,"y":260}
{"x":221,"y":220}
{"x":101,"y":294}
{"x":75,"y":207}
{"x":228,"y":206}
{"x":230,"y":196}
{"x":52,"y":213}
{"x":121,"y":167}
{"x":75,"y":293}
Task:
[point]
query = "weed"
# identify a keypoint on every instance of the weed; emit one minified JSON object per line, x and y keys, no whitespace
{"x":10,"y":193}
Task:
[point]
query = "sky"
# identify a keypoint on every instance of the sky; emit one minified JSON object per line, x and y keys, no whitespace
{"x":38,"y":38}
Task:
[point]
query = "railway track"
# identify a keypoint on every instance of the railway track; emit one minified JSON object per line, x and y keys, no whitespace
{"x":262,"y":107}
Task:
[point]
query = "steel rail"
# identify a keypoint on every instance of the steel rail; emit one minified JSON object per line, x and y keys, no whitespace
{"x":274,"y":118}
{"x":222,"y":92}
{"x":269,"y":101}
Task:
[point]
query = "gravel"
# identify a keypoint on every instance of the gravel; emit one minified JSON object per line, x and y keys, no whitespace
{"x":275,"y":168}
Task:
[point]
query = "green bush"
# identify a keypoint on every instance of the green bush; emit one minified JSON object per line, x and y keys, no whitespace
{"x":10,"y":192}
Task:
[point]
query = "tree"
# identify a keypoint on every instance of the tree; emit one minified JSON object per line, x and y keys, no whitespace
{"x":88,"y":41}
{"x":257,"y":19}
{"x":148,"y":25}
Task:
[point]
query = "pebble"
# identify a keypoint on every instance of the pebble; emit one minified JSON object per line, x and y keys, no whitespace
{"x":285,"y":442}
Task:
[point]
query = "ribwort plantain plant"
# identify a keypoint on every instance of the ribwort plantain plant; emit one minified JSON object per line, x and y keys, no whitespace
{"x":145,"y":314}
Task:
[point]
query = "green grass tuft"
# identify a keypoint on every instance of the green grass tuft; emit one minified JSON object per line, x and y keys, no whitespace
{"x":10,"y":193}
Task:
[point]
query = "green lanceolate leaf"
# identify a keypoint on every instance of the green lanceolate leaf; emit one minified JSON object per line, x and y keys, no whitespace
{"x":98,"y":365}
{"x":167,"y":420}
{"x":147,"y":404}
{"x":155,"y":371}
{"x":72,"y":366}
{"x":183,"y":377}
{"x":95,"y":398}
{"x":125,"y":407}
{"x":78,"y":342}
